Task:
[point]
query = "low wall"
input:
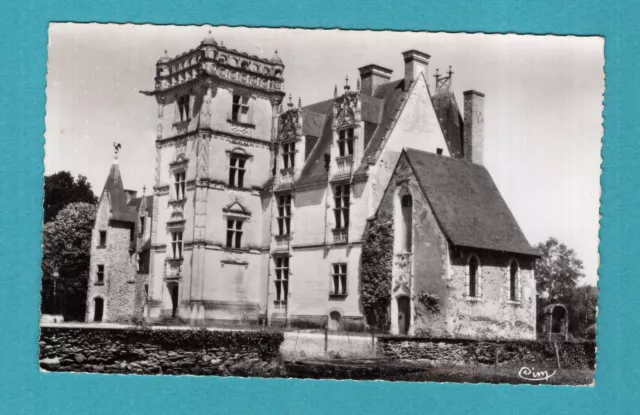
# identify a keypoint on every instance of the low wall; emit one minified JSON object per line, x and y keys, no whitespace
{"x":475,"y":352}
{"x":302,"y":346}
{"x":160,"y":351}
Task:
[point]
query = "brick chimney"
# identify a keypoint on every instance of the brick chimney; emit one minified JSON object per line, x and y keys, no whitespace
{"x":414,"y":63}
{"x":372,"y":76}
{"x":473,"y":135}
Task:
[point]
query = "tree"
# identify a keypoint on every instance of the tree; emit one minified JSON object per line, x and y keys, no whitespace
{"x":583,"y":303}
{"x":66,"y":246}
{"x":61,"y":189}
{"x":557,"y":271}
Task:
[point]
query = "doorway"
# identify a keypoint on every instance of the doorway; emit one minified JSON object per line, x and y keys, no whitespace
{"x":173,"y":291}
{"x":404,"y":315}
{"x":334,"y":321}
{"x":98,"y":309}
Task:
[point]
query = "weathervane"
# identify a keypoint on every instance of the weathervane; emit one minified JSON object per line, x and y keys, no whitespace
{"x":116,"y":149}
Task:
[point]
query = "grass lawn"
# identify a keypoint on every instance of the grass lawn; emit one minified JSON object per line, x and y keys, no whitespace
{"x":372,"y":369}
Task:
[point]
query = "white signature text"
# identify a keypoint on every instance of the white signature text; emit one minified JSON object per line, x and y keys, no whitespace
{"x":531,"y":374}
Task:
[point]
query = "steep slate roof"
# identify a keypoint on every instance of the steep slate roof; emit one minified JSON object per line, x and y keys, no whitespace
{"x":136,"y":201}
{"x":378,"y":110}
{"x":467,"y":204}
{"x":120,"y":211}
{"x":451,"y":121}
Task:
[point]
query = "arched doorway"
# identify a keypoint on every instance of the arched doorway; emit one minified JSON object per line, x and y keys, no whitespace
{"x":404,"y":314}
{"x":98,"y":309}
{"x":334,"y":321}
{"x":173,"y":293}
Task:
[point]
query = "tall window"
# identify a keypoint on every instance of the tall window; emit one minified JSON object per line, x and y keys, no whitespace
{"x":240,"y":109}
{"x":183,"y":108}
{"x":237,"y":170}
{"x":473,"y":276}
{"x":513,"y":281}
{"x":345,"y":142}
{"x":180,"y":183}
{"x":234,"y":233}
{"x":341,"y":210}
{"x":142,"y":223}
{"x":103,"y":239}
{"x":284,"y":215}
{"x":339,"y":279}
{"x":100,"y":274}
{"x":406,"y":204}
{"x":176,"y":244}
{"x":282,"y":278}
{"x":288,"y":155}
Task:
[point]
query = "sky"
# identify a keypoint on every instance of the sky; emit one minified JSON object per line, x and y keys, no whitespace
{"x":543,"y":105}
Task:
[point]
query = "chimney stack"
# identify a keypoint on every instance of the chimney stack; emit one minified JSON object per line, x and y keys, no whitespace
{"x":372,"y":76}
{"x":414,"y":63}
{"x":473,"y":135}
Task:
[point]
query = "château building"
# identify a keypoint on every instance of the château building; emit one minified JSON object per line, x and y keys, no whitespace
{"x":260,"y":205}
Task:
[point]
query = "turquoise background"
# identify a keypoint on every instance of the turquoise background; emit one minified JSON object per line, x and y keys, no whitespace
{"x":24,"y":390}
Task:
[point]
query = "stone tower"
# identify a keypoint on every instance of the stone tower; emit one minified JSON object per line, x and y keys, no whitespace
{"x":216,"y":121}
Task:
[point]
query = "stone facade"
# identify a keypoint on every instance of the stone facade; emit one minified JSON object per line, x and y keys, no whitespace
{"x":260,"y":204}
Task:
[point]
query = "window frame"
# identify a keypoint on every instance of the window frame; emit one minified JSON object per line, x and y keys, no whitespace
{"x":474,"y":291}
{"x":288,"y":155}
{"x":237,"y":170}
{"x":100,"y":274}
{"x":346,"y":138}
{"x":177,"y":244}
{"x":282,"y":269}
{"x":237,"y":108}
{"x":102,"y":242}
{"x":341,"y":205}
{"x":339,"y":279}
{"x":184,"y":110}
{"x":514,"y":281}
{"x":234,"y":232}
{"x":283,"y":219}
{"x":180,"y":184}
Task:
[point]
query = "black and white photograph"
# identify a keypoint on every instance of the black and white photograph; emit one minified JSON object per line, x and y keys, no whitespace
{"x":325,"y":204}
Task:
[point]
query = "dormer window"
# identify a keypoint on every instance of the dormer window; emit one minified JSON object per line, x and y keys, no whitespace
{"x":184,"y":113}
{"x":288,"y":155}
{"x":345,"y":142}
{"x":240,"y":109}
{"x":179,"y":183}
{"x":237,"y":170}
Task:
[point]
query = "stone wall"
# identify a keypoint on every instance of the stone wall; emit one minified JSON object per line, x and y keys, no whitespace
{"x":165,"y":351}
{"x":443,"y":352}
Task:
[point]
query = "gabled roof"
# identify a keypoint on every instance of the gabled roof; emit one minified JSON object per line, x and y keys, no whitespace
{"x":120,"y":210}
{"x":467,"y":204}
{"x":136,"y":201}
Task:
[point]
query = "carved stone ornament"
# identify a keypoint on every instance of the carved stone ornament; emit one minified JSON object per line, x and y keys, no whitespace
{"x":172,"y":269}
{"x":346,"y":110}
{"x":290,"y":125}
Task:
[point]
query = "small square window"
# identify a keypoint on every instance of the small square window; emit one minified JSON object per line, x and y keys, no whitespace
{"x":234,"y":233}
{"x":240,"y":109}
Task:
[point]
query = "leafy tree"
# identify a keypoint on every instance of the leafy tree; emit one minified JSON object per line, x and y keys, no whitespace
{"x":376,"y":264}
{"x":67,"y":249}
{"x":61,"y":189}
{"x":557,"y":271}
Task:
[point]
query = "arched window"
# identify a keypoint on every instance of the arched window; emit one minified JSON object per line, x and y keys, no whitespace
{"x":474,"y":265}
{"x":406,"y":204}
{"x":513,"y":280}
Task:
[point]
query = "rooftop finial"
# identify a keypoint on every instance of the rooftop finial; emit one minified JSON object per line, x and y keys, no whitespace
{"x":335,"y":91}
{"x":116,"y":149}
{"x":144,"y":190}
{"x":346,"y":84}
{"x":290,"y":104}
{"x":358,"y":85}
{"x":299,"y":102}
{"x":450,"y":72}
